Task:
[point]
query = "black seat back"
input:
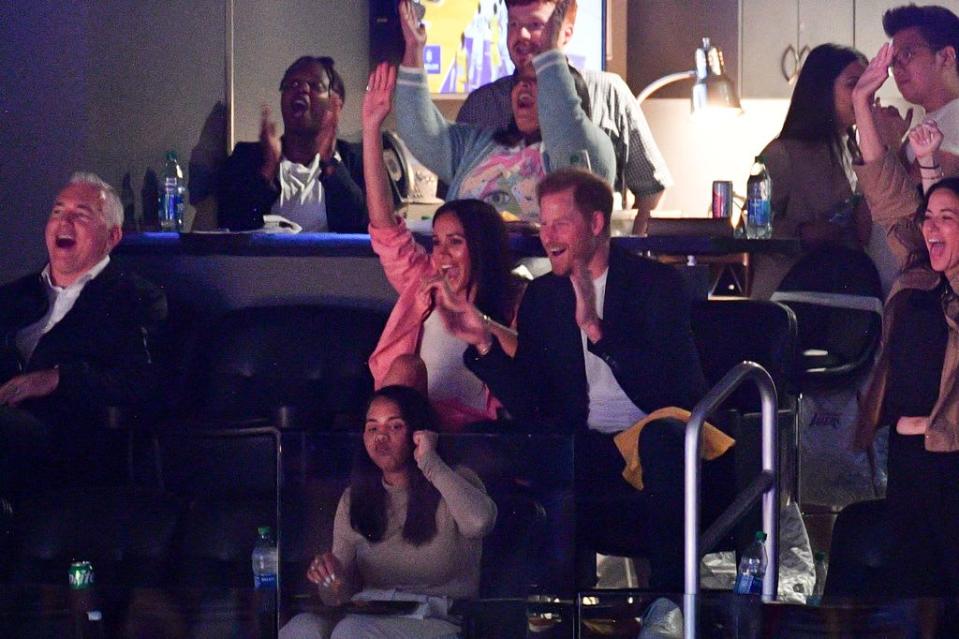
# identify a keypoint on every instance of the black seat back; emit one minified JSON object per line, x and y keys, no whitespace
{"x":728,"y":332}
{"x":845,"y":338}
{"x":310,"y":358}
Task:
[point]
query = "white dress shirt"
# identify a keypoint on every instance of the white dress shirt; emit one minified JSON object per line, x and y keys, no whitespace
{"x":62,"y":299}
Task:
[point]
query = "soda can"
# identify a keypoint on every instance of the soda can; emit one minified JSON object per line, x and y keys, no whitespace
{"x":722,"y":199}
{"x":81,"y":575}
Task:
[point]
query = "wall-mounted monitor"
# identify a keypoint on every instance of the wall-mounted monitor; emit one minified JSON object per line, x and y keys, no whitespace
{"x":466,"y":41}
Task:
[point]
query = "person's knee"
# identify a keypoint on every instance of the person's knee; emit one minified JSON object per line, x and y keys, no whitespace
{"x":407,"y":370}
{"x":306,"y":625}
{"x":661,"y":435}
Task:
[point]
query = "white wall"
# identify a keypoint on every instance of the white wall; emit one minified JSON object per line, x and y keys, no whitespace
{"x":110,"y":86}
{"x":698,"y":153}
{"x":271,"y":35}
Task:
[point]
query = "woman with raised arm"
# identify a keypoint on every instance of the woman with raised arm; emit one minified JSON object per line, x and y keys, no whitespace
{"x":408,"y":528}
{"x":470,"y":256}
{"x":550,"y":127}
{"x":915,"y":385}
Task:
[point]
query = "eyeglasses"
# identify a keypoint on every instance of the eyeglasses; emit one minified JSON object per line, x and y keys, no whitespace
{"x":296,"y":84}
{"x":905,"y":56}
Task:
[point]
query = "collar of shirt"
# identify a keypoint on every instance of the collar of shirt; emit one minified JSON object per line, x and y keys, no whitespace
{"x":80,"y":282}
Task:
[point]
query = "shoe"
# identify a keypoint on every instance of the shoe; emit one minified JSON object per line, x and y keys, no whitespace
{"x":662,"y":620}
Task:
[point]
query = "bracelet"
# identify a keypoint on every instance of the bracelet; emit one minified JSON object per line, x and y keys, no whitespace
{"x":487,"y":322}
{"x":934,"y":166}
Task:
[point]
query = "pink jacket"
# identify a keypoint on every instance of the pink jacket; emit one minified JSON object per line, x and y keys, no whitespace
{"x":406,"y":265}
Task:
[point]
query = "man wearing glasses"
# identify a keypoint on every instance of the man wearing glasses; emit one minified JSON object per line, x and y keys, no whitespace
{"x":306,"y":175}
{"x":925,"y":41}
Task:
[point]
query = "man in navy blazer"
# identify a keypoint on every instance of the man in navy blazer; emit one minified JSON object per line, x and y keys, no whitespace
{"x":74,"y":337}
{"x":604,"y":340}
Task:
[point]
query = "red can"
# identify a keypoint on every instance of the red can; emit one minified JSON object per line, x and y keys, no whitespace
{"x":722,"y":199}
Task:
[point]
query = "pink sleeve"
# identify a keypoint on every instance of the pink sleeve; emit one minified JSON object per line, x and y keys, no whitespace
{"x":404,"y":261}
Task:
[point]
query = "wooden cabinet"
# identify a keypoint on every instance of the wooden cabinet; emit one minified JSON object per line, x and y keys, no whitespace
{"x":777,"y":35}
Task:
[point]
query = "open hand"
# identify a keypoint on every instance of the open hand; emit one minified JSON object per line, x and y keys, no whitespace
{"x":554,"y":26}
{"x":378,"y":99}
{"x":587,"y":317}
{"x":414,"y":32}
{"x":925,"y":138}
{"x":269,"y":144}
{"x":425,"y":443}
{"x":29,"y":386}
{"x":875,"y":75}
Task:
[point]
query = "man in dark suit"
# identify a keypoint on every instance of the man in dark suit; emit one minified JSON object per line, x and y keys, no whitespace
{"x":74,"y":337}
{"x":307,"y":175}
{"x":604,"y":340}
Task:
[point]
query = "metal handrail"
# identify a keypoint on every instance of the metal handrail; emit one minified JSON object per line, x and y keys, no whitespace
{"x":767,"y":483}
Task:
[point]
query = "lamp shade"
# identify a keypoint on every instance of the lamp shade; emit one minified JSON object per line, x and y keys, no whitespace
{"x":713,"y":88}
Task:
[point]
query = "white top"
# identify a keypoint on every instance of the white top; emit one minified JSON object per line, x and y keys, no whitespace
{"x":947,"y":117}
{"x":448,"y":378}
{"x":61,"y":301}
{"x":610,"y":409}
{"x":302,"y":199}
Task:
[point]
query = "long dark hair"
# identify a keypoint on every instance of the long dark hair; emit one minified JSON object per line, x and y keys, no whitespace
{"x":812,"y":109}
{"x":490,"y":261}
{"x":512,"y":136}
{"x":368,"y":495}
{"x":920,"y":256}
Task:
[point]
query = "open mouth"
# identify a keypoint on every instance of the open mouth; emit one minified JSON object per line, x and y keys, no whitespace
{"x":556,"y":251}
{"x":936,"y":248}
{"x":525,"y":101}
{"x":299,"y":106}
{"x":65,"y":242}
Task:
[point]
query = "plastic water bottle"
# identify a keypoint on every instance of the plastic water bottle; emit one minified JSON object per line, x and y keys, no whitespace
{"x":172,"y":194}
{"x":752,"y":567}
{"x":822,"y":567}
{"x":266,"y":560}
{"x":759,"y":203}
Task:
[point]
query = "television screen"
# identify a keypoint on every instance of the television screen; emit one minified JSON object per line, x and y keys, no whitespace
{"x":466,"y":46}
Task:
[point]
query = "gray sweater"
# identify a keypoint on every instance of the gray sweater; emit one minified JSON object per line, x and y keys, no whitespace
{"x":446,"y":566}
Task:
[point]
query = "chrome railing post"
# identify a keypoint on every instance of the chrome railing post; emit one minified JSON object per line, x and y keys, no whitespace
{"x":770,"y":473}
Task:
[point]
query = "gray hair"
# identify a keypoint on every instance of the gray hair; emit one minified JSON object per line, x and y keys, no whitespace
{"x":112,"y":206}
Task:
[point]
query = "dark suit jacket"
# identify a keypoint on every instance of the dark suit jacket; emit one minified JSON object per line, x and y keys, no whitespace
{"x":244,"y":197}
{"x":101,"y":346}
{"x":647,"y":342}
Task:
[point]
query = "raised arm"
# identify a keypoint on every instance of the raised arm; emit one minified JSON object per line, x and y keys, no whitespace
{"x":469,"y":505}
{"x":437,"y":143}
{"x":925,"y":140}
{"x":564,"y":126}
{"x":376,"y":106}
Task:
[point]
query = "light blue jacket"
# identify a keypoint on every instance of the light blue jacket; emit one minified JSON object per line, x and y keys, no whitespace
{"x":452,"y":150}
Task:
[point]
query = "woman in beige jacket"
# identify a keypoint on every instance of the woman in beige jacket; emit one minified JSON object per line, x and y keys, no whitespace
{"x":914,"y":387}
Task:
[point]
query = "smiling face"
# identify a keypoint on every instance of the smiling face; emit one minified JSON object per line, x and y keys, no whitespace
{"x":523,"y":100}
{"x":567,"y":235}
{"x":305,"y":98}
{"x":387,"y":437}
{"x":842,"y":93}
{"x":524,"y":31}
{"x":77,"y":235}
{"x":451,"y":254}
{"x":940,"y":228}
{"x":916,"y":66}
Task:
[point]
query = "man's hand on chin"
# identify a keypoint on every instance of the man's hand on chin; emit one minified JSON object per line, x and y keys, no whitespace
{"x":29,"y":386}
